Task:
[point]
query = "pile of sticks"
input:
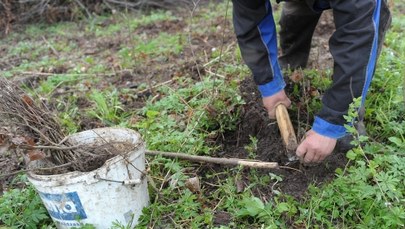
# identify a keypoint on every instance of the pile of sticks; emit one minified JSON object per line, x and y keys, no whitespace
{"x":33,"y":123}
{"x":27,"y":126}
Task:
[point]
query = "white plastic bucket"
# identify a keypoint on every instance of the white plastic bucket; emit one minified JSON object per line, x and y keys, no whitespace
{"x":115,"y":192}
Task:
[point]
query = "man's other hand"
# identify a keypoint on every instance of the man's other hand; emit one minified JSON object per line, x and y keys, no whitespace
{"x":271,"y":102}
{"x":315,"y":147}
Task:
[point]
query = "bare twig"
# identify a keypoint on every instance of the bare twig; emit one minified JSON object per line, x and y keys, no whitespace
{"x":155,"y":86}
{"x":34,"y":120}
{"x":36,"y":169}
{"x":56,"y":53}
{"x":84,"y":8}
{"x":217,"y":160}
{"x":50,"y":147}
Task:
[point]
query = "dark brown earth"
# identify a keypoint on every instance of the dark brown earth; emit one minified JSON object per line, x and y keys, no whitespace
{"x":320,"y":57}
{"x":254,"y":122}
{"x":9,"y":163}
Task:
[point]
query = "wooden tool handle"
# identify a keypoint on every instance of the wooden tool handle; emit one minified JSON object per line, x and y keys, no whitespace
{"x":286,"y":128}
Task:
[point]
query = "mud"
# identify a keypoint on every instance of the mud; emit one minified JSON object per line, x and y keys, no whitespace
{"x":320,"y":57}
{"x":255,"y":123}
{"x":170,"y":27}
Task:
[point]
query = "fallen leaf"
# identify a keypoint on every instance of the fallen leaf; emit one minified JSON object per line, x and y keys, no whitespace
{"x":314,"y":92}
{"x":296,"y":76}
{"x":211,"y":110}
{"x":240,"y":186}
{"x":4,"y":146}
{"x":30,"y":141}
{"x":27,"y":100}
{"x":34,"y":155}
{"x":87,"y":84}
{"x":3,"y":138}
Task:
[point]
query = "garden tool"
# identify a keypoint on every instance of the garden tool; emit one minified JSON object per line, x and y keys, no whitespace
{"x":287,"y":131}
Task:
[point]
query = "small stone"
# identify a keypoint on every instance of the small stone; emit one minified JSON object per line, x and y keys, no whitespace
{"x":193,"y":184}
{"x":240,"y":187}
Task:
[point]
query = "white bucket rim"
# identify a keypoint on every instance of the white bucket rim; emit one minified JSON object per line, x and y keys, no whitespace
{"x":77,"y":175}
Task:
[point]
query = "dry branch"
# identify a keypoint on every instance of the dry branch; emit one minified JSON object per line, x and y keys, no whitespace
{"x":31,"y":119}
{"x":217,"y":160}
{"x":32,"y":127}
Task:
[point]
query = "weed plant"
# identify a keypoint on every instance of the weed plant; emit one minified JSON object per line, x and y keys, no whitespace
{"x":108,"y":108}
{"x":22,"y":207}
{"x":185,"y":118}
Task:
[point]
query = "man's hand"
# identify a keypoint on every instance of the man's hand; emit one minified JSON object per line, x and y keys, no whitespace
{"x":271,"y":102}
{"x":315,"y":148}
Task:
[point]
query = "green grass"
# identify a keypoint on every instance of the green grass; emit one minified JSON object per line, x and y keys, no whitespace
{"x":22,"y":207}
{"x":123,"y":23}
{"x":386,"y":97}
{"x":107,"y":108}
{"x":187,"y":116}
{"x":145,"y":49}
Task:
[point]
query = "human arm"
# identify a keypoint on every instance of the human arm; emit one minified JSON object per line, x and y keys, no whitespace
{"x":256,"y":33}
{"x":355,"y":45}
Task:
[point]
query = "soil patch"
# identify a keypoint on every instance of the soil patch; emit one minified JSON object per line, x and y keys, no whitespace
{"x":320,"y":57}
{"x":9,"y":163}
{"x":172,"y":26}
{"x":255,"y":123}
{"x":222,"y":218}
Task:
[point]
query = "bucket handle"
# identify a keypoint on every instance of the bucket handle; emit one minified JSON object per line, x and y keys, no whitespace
{"x":131,"y":182}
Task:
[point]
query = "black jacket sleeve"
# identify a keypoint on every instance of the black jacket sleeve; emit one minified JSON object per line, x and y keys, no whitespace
{"x":355,"y":45}
{"x":256,"y":33}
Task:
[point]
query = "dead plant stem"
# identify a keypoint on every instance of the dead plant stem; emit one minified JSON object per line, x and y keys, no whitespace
{"x":217,"y":160}
{"x":42,"y":169}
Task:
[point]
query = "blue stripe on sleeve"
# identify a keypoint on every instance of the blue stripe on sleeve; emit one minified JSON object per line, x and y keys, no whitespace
{"x":373,"y":57}
{"x":272,"y":87}
{"x":327,"y":129}
{"x":336,"y":131}
{"x":267,"y":30}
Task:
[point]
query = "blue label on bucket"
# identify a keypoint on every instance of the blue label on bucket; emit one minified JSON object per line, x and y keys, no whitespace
{"x":66,"y":206}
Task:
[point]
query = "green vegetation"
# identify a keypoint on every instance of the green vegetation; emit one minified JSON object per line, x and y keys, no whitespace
{"x":186,"y":117}
{"x":22,"y":207}
{"x":82,"y":74}
{"x":107,"y":107}
{"x":158,"y":48}
{"x":373,"y":188}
